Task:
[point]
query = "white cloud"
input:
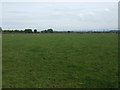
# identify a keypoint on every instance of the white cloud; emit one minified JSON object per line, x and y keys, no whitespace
{"x":56,"y":13}
{"x":81,"y":15}
{"x":91,"y":13}
{"x":107,"y":9}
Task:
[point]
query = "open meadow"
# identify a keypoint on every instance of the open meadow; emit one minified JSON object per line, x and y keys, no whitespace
{"x":60,"y":60}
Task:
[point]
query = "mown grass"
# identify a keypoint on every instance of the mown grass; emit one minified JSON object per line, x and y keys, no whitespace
{"x":60,"y":60}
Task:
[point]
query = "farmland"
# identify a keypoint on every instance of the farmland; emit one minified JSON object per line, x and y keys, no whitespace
{"x":60,"y":60}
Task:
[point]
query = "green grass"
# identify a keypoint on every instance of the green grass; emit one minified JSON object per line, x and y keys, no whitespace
{"x":60,"y":61}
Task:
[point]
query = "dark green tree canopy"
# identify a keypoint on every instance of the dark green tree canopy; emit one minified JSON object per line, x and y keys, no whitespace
{"x":28,"y":30}
{"x":35,"y":30}
{"x":47,"y":31}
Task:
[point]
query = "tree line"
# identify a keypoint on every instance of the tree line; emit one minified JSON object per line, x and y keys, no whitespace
{"x":51,"y":31}
{"x":28,"y":31}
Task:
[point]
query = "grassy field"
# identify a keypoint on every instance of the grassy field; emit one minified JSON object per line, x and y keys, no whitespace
{"x":60,"y":60}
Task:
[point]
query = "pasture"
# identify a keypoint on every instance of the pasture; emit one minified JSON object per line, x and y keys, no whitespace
{"x":60,"y":60}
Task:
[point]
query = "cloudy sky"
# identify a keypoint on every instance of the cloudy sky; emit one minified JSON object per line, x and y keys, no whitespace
{"x":60,"y":15}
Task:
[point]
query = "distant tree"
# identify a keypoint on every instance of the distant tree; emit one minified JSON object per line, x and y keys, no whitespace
{"x":28,"y":30}
{"x":21,"y":31}
{"x":68,"y":31}
{"x":42,"y":31}
{"x":50,"y":30}
{"x":47,"y":31}
{"x":35,"y":30}
{"x":0,"y":29}
{"x":16,"y":31}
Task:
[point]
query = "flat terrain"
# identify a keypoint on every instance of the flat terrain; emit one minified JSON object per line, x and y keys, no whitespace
{"x":60,"y":60}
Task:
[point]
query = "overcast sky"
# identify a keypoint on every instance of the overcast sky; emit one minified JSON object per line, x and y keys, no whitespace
{"x":60,"y":15}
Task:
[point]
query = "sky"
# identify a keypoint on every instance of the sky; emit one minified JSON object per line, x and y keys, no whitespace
{"x":60,"y":15}
{"x":59,"y":0}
